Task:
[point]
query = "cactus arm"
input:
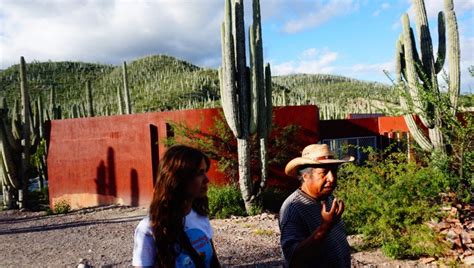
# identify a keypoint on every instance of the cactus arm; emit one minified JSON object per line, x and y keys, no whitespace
{"x":26,"y":111}
{"x":16,"y":121}
{"x":426,"y":46}
{"x":6,"y":133}
{"x":119,"y":100}
{"x":410,"y":70}
{"x":268,"y":97}
{"x":34,"y":128}
{"x":240,"y":59}
{"x":52,"y":104}
{"x":416,"y":58}
{"x":6,"y":152}
{"x":417,"y":133}
{"x":90,"y":104}
{"x":25,"y":137}
{"x":441,"y":56}
{"x":411,"y":74}
{"x":453,"y":55}
{"x":7,"y":167}
{"x":41,"y":117}
{"x":229,"y":96}
{"x":259,"y":79}
{"x":400,"y":61}
{"x":253,"y":84}
{"x":126,"y":93}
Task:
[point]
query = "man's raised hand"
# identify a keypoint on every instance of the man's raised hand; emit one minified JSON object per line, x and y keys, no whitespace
{"x":332,"y":216}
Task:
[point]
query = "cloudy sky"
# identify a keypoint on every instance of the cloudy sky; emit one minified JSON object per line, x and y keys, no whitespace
{"x":354,"y":38}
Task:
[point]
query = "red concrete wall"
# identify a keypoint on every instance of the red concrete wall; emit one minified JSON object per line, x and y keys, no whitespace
{"x":109,"y":160}
{"x":392,"y":124}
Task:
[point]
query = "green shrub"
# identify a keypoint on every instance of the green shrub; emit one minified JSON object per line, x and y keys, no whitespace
{"x":388,"y":200}
{"x":61,"y":206}
{"x":255,"y":210}
{"x":225,"y":201}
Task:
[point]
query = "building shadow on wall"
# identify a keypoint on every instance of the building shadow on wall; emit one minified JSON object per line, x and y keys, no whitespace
{"x":106,"y":180}
{"x":135,"y":191}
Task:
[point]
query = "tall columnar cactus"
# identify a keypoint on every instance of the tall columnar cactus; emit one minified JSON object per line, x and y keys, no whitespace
{"x":90,"y":104}
{"x":17,"y":143}
{"x":126,"y":90}
{"x":119,"y":100}
{"x":417,"y":74}
{"x":245,"y":92}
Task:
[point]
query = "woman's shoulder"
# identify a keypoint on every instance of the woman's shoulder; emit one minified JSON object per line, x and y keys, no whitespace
{"x":144,"y":225}
{"x":193,"y":214}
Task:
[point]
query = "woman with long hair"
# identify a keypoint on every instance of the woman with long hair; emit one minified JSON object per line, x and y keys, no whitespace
{"x":177,"y":232}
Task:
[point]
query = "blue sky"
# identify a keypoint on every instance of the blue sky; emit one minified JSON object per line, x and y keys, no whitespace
{"x":354,"y":38}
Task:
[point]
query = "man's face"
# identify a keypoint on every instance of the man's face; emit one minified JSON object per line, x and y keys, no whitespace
{"x":321,"y":181}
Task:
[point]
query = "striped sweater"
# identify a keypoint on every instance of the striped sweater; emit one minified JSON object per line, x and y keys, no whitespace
{"x":300,"y":216}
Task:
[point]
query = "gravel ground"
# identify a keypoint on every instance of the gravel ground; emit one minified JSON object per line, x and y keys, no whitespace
{"x":103,"y":237}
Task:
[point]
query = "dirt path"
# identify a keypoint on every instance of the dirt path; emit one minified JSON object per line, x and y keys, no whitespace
{"x":104,"y":238}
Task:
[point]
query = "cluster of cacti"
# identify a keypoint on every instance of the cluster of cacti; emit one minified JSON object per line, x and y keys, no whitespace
{"x":19,"y":138}
{"x":246,"y":95}
{"x":417,"y":74}
{"x":160,"y":83}
{"x":157,"y":83}
{"x":334,"y":95}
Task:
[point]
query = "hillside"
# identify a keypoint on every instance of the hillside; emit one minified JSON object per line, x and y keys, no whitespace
{"x":336,"y":96}
{"x":156,"y":83}
{"x":66,"y":78}
{"x":165,"y":83}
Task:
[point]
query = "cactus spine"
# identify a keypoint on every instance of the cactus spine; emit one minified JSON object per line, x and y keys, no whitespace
{"x":246,"y":101}
{"x":418,"y":74}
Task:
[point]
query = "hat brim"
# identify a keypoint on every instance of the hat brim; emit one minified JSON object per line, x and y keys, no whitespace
{"x":292,"y":166}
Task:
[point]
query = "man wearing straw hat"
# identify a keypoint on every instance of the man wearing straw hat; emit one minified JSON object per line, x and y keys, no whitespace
{"x":312,"y":232}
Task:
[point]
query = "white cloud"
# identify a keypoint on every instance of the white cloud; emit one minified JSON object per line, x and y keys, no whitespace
{"x":396,"y":26}
{"x":467,"y":60}
{"x":433,"y":7}
{"x":321,"y":14}
{"x":382,"y":7}
{"x":369,"y":71}
{"x":311,"y":61}
{"x":109,"y":31}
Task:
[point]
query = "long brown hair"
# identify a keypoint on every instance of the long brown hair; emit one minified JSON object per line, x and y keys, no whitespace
{"x":179,"y":166}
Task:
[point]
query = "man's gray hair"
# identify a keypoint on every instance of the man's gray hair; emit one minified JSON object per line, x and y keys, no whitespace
{"x":302,"y":171}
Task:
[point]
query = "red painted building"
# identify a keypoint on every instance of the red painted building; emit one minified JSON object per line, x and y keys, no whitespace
{"x":113,"y":160}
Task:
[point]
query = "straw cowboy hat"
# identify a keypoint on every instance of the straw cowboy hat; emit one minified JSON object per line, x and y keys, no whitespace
{"x":314,"y":154}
